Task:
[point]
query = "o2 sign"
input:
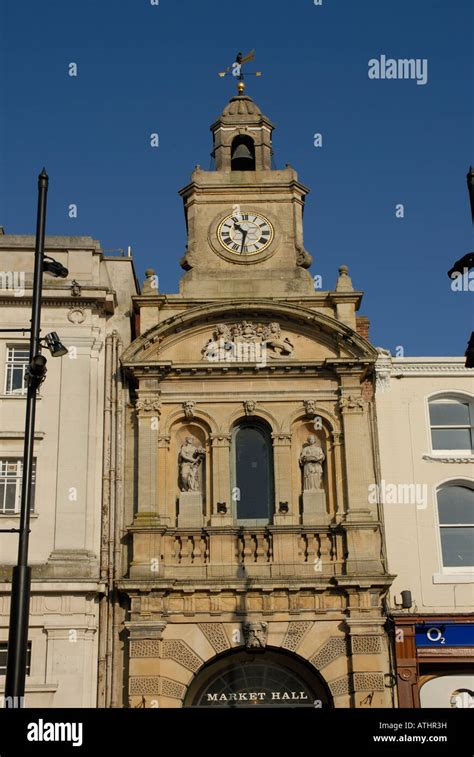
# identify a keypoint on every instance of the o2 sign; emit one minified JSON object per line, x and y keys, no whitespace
{"x":445,"y":634}
{"x":435,"y":634}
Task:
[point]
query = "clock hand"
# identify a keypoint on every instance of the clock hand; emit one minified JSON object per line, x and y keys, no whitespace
{"x":244,"y":237}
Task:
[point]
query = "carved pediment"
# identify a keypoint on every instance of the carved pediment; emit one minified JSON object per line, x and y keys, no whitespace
{"x":235,"y":333}
{"x":245,"y":341}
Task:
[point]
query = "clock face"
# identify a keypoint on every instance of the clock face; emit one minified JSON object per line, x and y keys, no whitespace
{"x":245,"y":233}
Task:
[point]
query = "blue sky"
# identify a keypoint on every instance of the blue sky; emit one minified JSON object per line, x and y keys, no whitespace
{"x":144,"y":69}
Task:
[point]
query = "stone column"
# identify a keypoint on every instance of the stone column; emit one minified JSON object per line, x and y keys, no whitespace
{"x":76,"y":489}
{"x":282,"y":465}
{"x":163,"y":442}
{"x":71,"y":662}
{"x":369,"y":661}
{"x":363,"y":531}
{"x":336,"y":444}
{"x":358,"y":450}
{"x":146,"y":532}
{"x":148,"y":413}
{"x":221,"y":489}
{"x":144,"y":682}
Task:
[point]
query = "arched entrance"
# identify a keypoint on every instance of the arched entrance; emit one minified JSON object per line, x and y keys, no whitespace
{"x":269,"y":679}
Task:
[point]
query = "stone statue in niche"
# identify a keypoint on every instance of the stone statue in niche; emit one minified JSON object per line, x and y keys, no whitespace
{"x":255,"y":634}
{"x":314,"y":497}
{"x":189,"y":460}
{"x":311,"y":459}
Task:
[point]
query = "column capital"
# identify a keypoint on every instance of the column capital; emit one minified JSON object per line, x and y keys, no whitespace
{"x":281,"y":439}
{"x":145,"y":405}
{"x":145,"y":629}
{"x":163,"y":441}
{"x":220,"y":439}
{"x":351,"y":403}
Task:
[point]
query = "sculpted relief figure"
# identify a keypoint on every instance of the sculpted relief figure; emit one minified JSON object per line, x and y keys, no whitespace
{"x":311,"y":460}
{"x":220,"y":344}
{"x":189,"y":460}
{"x":274,"y":341}
{"x":229,"y":341}
{"x":255,"y":634}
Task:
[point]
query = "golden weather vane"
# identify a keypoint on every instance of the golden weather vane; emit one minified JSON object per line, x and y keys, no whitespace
{"x":236,"y":70}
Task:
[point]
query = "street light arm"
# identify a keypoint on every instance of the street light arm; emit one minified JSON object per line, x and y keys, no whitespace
{"x":467,"y":262}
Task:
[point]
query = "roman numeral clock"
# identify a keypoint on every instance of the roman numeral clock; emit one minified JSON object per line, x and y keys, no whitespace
{"x":245,"y":234}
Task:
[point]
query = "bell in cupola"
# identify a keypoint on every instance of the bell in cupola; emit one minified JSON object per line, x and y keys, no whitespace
{"x":243,"y":154}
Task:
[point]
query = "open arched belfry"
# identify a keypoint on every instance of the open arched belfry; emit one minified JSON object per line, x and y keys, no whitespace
{"x":253,"y":564}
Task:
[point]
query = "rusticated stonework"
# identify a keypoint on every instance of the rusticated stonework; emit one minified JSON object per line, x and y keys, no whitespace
{"x":180,"y":652}
{"x":145,"y":648}
{"x":366,"y":645}
{"x":171,"y":688}
{"x":339,"y":686}
{"x":295,"y":633}
{"x":368,"y":682}
{"x":154,"y":685}
{"x":360,"y":682}
{"x":142,"y":685}
{"x":215,"y":634}
{"x":331,"y":650}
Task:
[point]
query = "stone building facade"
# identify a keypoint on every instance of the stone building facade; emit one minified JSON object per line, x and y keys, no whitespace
{"x":252,"y":563}
{"x":76,"y":458}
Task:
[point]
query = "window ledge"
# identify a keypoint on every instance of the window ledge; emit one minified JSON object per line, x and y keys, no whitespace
{"x":16,"y":516}
{"x":454,"y":578}
{"x":20,"y":434}
{"x":17,"y":396}
{"x":449,"y":458}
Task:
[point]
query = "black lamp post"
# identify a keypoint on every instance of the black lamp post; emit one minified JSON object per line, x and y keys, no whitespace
{"x":21,"y":578}
{"x":466,"y":264}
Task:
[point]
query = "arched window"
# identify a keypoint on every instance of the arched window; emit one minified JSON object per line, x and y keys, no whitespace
{"x":243,"y":154}
{"x":269,"y":678}
{"x":252,"y":469}
{"x":451,"y":421}
{"x":456,"y":522}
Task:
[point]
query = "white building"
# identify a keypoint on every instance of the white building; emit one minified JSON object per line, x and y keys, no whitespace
{"x":76,"y":452}
{"x":425,"y":411}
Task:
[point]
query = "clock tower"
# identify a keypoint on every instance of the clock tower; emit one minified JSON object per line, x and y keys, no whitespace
{"x":252,"y":550}
{"x":245,"y":218}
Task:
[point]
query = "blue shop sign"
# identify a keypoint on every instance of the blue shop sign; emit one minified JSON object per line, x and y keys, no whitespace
{"x":445,"y":634}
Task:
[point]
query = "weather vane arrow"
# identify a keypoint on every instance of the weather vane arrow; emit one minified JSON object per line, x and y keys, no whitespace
{"x":236,"y":70}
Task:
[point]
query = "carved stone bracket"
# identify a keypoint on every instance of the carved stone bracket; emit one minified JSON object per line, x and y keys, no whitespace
{"x":303,"y":257}
{"x":383,"y":370}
